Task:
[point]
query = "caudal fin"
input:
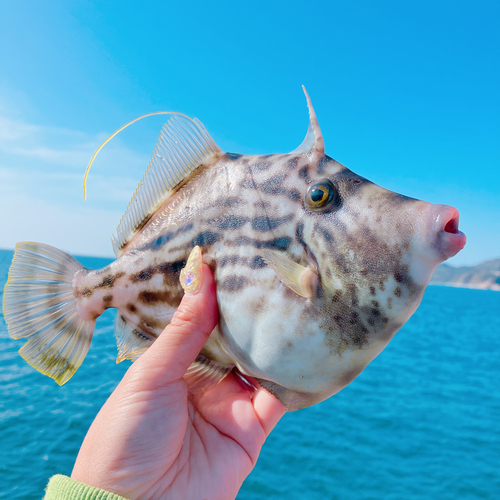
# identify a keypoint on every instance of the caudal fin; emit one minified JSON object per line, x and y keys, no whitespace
{"x":39,"y":305}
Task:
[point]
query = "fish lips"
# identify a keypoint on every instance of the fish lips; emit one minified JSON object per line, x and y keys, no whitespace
{"x":448,"y":240}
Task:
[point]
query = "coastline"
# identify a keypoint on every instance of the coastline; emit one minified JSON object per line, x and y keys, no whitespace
{"x":479,"y":286}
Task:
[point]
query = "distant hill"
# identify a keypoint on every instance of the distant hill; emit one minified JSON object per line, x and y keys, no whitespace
{"x":485,"y":276}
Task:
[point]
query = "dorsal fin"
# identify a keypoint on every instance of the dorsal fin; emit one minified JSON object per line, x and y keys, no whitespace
{"x":184,"y":144}
{"x":314,"y":138}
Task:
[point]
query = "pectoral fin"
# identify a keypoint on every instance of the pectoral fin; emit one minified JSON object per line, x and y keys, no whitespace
{"x":302,"y":280}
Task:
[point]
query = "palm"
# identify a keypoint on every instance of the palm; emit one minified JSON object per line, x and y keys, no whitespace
{"x":154,"y":439}
{"x":222,"y":440}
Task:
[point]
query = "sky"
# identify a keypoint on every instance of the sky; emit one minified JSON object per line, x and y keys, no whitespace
{"x":407,"y":94}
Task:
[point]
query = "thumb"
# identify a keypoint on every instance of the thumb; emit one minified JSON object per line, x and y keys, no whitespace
{"x":181,"y":341}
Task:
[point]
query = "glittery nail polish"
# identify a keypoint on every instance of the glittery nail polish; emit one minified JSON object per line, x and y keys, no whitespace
{"x":191,"y":277}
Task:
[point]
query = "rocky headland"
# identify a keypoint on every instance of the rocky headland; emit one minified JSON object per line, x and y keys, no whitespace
{"x":485,"y":276}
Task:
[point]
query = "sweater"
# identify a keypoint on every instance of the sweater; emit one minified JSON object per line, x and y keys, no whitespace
{"x":64,"y":488}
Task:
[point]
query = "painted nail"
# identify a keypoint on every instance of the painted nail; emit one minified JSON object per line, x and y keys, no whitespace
{"x":191,"y":276}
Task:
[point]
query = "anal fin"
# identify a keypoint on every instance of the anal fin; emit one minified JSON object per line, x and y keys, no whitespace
{"x":204,"y":374}
{"x":131,"y":341}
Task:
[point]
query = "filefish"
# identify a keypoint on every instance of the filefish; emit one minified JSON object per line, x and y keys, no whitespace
{"x":316,"y":267}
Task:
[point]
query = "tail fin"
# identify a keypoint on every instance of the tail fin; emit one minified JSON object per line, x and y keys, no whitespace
{"x":39,"y":304}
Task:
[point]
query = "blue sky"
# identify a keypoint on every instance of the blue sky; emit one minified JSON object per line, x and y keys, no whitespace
{"x":407,"y":94}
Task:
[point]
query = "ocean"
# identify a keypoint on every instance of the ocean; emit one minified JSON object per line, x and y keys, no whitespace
{"x":421,"y":422}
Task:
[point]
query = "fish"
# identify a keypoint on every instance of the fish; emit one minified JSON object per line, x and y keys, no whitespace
{"x":316,"y":267}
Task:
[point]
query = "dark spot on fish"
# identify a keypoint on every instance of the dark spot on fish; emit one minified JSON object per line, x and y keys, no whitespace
{"x":294,"y":195}
{"x":109,"y":280}
{"x":304,"y":173}
{"x":205,"y":238}
{"x":289,"y":344}
{"x":87,"y":292}
{"x":273,"y":185}
{"x":336,"y":296}
{"x":342,"y":264}
{"x":372,"y":290}
{"x":257,"y":262}
{"x":263,"y":223}
{"x":131,"y":308}
{"x":144,"y":275}
{"x":107,"y":298}
{"x":162,"y":240}
{"x":324,"y":160}
{"x":382,"y":286}
{"x":375,"y":303}
{"x":328,"y":237}
{"x":397,"y":292}
{"x":233,"y":156}
{"x":229,"y":201}
{"x":277,"y":244}
{"x":228,"y":222}
{"x":389,"y":302}
{"x":360,"y":336}
{"x":354,"y":318}
{"x":299,"y":230}
{"x":170,"y":271}
{"x":260,"y":166}
{"x":230,"y":259}
{"x":400,"y":276}
{"x":233,"y":283}
{"x":153,"y":297}
{"x":262,"y":204}
{"x":292,"y":162}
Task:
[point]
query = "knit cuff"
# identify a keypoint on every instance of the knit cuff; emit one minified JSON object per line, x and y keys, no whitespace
{"x":64,"y":488}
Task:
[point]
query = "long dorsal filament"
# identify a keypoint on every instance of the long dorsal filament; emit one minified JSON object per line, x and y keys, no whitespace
{"x":116,"y":133}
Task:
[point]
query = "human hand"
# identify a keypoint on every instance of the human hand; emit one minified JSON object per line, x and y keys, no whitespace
{"x":154,"y":439}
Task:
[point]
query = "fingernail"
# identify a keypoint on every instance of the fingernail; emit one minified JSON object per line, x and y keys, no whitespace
{"x":191,"y":276}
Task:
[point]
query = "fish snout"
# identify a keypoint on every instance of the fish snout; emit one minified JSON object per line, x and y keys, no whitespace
{"x":444,"y":233}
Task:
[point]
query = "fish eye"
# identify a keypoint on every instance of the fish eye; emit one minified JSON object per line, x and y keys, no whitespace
{"x":320,"y":195}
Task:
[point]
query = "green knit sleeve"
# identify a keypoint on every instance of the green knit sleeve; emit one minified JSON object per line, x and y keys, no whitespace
{"x":64,"y":488}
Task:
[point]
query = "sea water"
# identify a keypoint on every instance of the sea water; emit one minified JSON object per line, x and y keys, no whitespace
{"x":421,"y":422}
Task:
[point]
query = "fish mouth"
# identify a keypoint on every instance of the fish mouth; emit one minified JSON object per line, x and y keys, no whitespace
{"x":450,"y":240}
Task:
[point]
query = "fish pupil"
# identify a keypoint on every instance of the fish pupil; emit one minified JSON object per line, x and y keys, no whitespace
{"x":318,"y":195}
